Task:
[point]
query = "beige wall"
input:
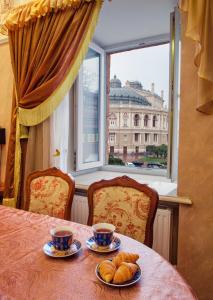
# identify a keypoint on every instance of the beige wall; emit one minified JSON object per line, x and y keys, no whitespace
{"x":6,"y":79}
{"x":195,"y":253}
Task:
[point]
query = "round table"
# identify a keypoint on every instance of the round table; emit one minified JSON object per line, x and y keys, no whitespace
{"x":27,"y":273}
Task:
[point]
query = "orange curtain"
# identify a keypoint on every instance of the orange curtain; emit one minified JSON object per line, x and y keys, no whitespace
{"x":200,"y":29}
{"x":45,"y":43}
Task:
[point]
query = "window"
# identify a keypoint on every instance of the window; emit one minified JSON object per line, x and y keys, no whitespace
{"x":111,"y":150}
{"x":136,"y":149}
{"x":146,"y":137}
{"x":154,"y":120}
{"x":146,"y":118}
{"x":155,"y":137}
{"x":136,"y":120}
{"x":125,"y":118}
{"x":112,"y":120}
{"x":124,"y":150}
{"x":90,"y":106}
{"x":112,"y":137}
{"x":136,"y":137}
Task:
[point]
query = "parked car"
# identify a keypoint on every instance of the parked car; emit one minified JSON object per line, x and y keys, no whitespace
{"x":137,"y":163}
{"x":155,"y":166}
{"x":130,"y":164}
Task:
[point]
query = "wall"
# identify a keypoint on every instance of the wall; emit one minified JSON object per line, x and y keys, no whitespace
{"x":195,"y":253}
{"x":6,"y":80}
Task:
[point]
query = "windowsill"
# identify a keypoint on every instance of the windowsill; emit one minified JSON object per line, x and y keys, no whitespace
{"x":166,"y":189}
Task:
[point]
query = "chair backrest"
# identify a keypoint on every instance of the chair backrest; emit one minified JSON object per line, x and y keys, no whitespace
{"x":125,"y":203}
{"x":50,"y":192}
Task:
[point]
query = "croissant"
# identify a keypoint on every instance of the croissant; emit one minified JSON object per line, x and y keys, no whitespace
{"x":125,"y":257}
{"x":107,"y":270}
{"x":125,"y":272}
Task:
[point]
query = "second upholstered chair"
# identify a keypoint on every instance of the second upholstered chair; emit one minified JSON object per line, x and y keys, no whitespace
{"x":50,"y":192}
{"x":125,"y":203}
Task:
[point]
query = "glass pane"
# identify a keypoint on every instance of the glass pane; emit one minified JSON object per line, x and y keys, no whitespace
{"x":91,"y":106}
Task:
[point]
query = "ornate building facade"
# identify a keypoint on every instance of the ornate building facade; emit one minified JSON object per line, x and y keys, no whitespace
{"x":137,"y":118}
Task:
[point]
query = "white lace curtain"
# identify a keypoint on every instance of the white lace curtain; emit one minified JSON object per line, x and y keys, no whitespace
{"x":60,"y":136}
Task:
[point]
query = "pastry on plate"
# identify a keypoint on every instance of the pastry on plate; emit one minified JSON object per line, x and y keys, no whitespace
{"x":125,"y":257}
{"x":125,"y":272}
{"x":107,"y":270}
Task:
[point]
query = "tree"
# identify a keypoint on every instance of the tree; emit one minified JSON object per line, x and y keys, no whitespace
{"x":150,"y":149}
{"x":115,"y":161}
{"x":163,"y":150}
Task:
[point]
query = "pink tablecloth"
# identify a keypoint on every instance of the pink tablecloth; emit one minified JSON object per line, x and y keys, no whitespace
{"x":27,"y":273}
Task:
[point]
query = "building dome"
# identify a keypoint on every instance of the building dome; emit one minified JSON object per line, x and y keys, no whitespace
{"x":115,"y":82}
{"x":127,"y":94}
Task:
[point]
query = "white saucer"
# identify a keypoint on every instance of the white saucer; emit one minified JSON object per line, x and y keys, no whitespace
{"x":115,"y":245}
{"x":50,"y":250}
{"x":134,"y":280}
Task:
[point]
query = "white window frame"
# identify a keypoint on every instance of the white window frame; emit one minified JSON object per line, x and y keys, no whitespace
{"x":172,"y":134}
{"x":80,"y":165}
{"x":102,"y":164}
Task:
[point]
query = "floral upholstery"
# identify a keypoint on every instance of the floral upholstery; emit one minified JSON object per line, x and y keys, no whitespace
{"x":48,"y":196}
{"x":124,"y":207}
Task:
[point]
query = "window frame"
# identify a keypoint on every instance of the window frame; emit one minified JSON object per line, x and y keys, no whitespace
{"x":80,"y":165}
{"x":103,"y":164}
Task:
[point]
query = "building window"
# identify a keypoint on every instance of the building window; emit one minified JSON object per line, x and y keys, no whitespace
{"x":155,"y":137}
{"x":125,"y":117}
{"x":136,"y":120}
{"x":137,"y":149}
{"x":146,"y":118}
{"x":136,"y":137}
{"x":154,"y":121}
{"x":112,"y":137}
{"x":111,"y":150}
{"x":146,"y":137}
{"x":112,"y":120}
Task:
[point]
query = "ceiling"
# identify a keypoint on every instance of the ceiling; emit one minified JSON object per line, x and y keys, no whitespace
{"x":123,"y":21}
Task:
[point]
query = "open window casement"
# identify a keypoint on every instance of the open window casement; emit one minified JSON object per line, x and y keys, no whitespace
{"x":90,"y":107}
{"x":174,"y":95}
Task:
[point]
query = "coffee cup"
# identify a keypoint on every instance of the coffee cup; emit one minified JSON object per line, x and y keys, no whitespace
{"x":62,"y":237}
{"x":103,"y":234}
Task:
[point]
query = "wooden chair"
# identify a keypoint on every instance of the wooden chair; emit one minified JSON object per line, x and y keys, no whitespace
{"x":50,"y":192}
{"x":127,"y":204}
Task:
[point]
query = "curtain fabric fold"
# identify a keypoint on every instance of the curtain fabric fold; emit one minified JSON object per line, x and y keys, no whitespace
{"x":200,"y":29}
{"x":48,"y":41}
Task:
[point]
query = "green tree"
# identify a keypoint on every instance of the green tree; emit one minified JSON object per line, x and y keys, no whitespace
{"x":151,"y":149}
{"x":115,"y":161}
{"x":163,"y":150}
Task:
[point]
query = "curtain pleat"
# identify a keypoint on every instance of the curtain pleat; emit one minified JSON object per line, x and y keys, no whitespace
{"x":200,"y":29}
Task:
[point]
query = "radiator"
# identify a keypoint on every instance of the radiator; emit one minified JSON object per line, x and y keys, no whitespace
{"x":161,"y":235}
{"x":161,"y":241}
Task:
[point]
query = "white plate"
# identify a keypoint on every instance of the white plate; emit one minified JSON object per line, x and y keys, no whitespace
{"x":115,"y":245}
{"x":50,"y":250}
{"x":134,"y":280}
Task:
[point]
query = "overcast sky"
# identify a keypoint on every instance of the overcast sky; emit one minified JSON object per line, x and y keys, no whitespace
{"x":146,"y":65}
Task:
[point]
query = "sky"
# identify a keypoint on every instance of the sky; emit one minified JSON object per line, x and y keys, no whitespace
{"x":146,"y":65}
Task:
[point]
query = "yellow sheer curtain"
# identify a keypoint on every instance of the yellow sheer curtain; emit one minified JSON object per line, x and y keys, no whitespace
{"x":48,"y":41}
{"x":200,"y":29}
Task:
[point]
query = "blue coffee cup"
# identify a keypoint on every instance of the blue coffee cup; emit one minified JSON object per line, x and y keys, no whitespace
{"x":103,"y":234}
{"x":62,"y":237}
